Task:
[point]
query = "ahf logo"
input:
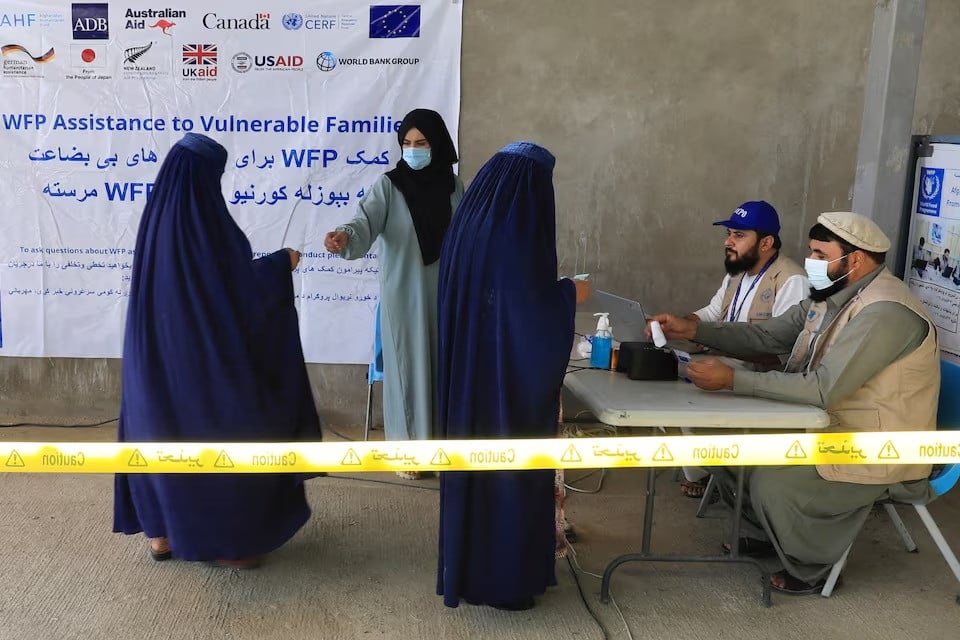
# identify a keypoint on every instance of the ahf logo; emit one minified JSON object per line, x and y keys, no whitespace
{"x":90,"y":21}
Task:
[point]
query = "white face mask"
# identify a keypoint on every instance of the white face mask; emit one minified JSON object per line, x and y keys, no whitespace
{"x":817,"y":272}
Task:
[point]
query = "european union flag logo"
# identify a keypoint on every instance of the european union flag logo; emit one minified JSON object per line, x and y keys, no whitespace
{"x":395,"y":21}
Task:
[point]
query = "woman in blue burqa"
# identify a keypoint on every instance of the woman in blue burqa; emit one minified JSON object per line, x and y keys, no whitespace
{"x":211,"y":353}
{"x":506,"y":329}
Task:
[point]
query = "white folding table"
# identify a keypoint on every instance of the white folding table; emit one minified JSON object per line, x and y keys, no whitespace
{"x":618,"y":401}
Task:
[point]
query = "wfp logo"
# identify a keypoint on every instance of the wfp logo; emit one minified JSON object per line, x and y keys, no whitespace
{"x":326,"y":61}
{"x":741,"y":212}
{"x":931,"y":184}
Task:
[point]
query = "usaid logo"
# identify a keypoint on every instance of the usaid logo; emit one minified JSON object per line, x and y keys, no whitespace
{"x":90,"y":21}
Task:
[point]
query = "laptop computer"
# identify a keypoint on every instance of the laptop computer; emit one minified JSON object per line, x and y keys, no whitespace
{"x":626,"y":316}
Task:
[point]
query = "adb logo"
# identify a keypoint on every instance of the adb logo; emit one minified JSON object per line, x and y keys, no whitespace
{"x":89,"y":20}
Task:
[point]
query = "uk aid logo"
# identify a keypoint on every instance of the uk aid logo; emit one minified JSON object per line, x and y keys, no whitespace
{"x":199,"y":61}
{"x":90,"y":21}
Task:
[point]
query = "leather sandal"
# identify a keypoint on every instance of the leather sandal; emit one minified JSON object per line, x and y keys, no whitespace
{"x":751,"y":547}
{"x":793,"y":586}
{"x":162,"y":551}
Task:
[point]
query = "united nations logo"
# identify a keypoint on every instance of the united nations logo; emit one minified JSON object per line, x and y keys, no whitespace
{"x":292,"y":21}
{"x":811,"y":314}
{"x":766,"y":295}
{"x":931,"y":184}
{"x":326,"y":61}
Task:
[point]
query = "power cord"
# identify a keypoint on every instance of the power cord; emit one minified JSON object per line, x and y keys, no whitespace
{"x":575,"y":566}
{"x":66,"y":426}
{"x":583,"y":599}
{"x":407,"y":485}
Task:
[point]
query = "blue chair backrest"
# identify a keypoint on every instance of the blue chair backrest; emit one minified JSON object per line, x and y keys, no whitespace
{"x":948,"y":413}
{"x":948,"y":417}
{"x":946,"y":480}
{"x":375,"y":371}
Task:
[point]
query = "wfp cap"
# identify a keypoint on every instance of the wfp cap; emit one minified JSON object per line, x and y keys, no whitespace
{"x":756,"y":215}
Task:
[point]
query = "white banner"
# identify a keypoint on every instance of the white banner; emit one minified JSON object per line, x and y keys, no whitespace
{"x":932,"y":267}
{"x":307,"y":99}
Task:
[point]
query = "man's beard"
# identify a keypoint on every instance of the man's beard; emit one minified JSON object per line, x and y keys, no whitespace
{"x":839,"y":284}
{"x":746,"y":261}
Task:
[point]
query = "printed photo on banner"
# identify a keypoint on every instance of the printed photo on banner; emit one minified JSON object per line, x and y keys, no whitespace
{"x":932,"y":267}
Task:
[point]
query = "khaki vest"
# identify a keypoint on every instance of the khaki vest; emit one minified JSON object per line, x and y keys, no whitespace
{"x":765,"y":295}
{"x":902,"y":397}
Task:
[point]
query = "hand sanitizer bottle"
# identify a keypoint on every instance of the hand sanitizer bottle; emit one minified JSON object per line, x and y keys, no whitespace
{"x":602,"y":343}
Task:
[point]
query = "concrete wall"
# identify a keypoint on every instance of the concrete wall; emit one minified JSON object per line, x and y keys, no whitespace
{"x":663,"y":116}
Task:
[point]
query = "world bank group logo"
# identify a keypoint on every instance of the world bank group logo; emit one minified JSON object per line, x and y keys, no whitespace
{"x":930,"y":192}
{"x":326,"y":61}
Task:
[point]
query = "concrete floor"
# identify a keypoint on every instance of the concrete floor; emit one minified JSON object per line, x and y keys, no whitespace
{"x":364,"y":567}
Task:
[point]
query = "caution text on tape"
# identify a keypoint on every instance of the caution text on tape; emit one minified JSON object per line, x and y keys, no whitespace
{"x":909,"y":447}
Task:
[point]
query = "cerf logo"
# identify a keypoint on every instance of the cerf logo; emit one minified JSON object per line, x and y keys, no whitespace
{"x":90,"y":21}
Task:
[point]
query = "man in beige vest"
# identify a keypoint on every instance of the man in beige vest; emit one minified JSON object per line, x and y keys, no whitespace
{"x":863,"y":348}
{"x":760,"y":284}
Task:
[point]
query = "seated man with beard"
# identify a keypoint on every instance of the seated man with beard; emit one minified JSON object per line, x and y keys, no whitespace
{"x":760,"y":284}
{"x":864,"y":349}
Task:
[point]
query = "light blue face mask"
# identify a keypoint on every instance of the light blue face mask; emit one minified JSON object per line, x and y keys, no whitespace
{"x":817,"y":273}
{"x":416,"y":159}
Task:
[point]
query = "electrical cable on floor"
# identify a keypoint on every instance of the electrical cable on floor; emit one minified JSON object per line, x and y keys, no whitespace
{"x":338,"y":434}
{"x":568,"y":485}
{"x":575,"y":566}
{"x":583,"y":599}
{"x":409,"y":484}
{"x":66,"y":426}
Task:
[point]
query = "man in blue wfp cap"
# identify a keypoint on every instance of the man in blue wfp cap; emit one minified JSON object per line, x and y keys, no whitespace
{"x":864,"y":349}
{"x":761,"y":283}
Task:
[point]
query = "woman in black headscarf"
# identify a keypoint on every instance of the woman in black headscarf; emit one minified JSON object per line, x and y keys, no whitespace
{"x":409,"y":208}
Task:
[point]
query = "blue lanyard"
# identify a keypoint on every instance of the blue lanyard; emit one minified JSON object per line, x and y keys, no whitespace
{"x":734,"y":312}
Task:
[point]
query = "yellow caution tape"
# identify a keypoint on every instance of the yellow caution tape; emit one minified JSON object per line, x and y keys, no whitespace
{"x":909,"y":447}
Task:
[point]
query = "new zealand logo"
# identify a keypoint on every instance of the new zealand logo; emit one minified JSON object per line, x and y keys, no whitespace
{"x":133,"y":54}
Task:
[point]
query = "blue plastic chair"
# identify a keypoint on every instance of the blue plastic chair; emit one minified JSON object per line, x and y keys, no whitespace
{"x":374,"y":374}
{"x":942,"y":480}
